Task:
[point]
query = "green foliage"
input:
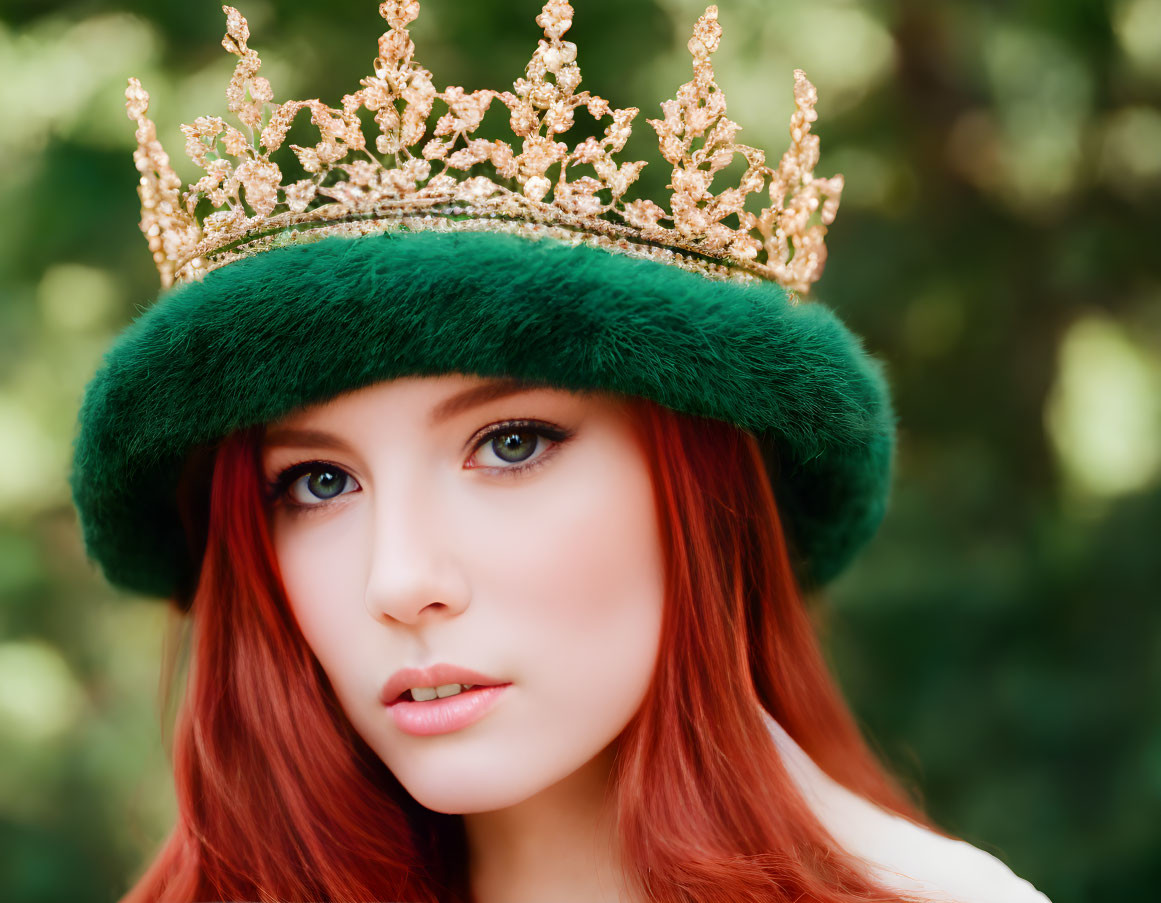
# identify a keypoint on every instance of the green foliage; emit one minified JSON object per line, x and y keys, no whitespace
{"x":1000,"y":639}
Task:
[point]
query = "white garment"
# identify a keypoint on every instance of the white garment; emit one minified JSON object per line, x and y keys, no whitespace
{"x":903,"y":856}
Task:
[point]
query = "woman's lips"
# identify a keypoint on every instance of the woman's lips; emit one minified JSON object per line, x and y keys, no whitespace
{"x":434,"y":676}
{"x":442,"y":716}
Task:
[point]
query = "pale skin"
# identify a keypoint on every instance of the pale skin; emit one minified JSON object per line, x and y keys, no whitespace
{"x":410,"y":532}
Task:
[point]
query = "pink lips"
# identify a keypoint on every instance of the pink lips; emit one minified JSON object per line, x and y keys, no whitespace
{"x":439,"y":716}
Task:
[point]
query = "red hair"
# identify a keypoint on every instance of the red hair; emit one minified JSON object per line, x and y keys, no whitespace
{"x":279,"y":798}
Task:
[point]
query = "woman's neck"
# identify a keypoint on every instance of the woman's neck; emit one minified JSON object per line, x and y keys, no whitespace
{"x":558,"y":845}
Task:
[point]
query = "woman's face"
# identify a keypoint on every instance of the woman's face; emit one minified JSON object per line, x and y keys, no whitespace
{"x":475,"y":523}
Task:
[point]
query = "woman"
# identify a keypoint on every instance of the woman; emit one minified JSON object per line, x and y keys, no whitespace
{"x":490,"y":592}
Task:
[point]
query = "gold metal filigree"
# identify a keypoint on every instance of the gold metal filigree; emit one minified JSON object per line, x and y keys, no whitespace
{"x":419,"y":180}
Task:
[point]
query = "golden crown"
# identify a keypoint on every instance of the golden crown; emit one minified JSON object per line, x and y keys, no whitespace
{"x":452,"y":181}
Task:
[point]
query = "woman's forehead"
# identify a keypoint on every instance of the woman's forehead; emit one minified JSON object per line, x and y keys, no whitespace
{"x":433,"y":399}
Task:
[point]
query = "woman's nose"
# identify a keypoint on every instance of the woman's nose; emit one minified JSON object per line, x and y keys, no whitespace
{"x":413,"y":573}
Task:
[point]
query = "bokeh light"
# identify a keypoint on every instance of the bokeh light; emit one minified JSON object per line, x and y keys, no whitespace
{"x":1104,"y":414}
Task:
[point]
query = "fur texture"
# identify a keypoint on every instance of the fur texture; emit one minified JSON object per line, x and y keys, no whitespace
{"x":294,"y":326}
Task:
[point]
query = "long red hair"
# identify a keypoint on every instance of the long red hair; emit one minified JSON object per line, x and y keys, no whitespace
{"x":279,"y":799}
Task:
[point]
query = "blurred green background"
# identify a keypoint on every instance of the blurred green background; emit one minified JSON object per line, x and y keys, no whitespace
{"x":997,"y":246}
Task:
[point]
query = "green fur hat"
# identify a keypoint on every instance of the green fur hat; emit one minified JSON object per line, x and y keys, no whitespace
{"x":290,"y":327}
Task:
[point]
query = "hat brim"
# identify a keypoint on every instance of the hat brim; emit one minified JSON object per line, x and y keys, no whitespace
{"x":266,"y":335}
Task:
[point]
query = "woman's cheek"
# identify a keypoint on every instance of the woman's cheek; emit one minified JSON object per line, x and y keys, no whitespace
{"x":319,"y":558}
{"x":585,"y":590}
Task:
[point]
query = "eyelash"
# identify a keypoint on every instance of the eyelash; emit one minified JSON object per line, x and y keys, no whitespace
{"x":278,"y":488}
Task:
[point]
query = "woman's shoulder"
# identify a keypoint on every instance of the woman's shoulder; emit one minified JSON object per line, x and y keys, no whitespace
{"x":904,"y":856}
{"x":916,"y":860}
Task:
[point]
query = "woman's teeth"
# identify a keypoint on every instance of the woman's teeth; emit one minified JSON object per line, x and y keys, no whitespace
{"x":426,"y":694}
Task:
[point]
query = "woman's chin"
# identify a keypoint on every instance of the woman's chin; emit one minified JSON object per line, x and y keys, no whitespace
{"x":464,"y":795}
{"x":482,"y":780}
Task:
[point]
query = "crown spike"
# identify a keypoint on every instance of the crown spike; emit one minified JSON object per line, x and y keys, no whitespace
{"x":796,"y":249}
{"x":167,"y":227}
{"x":246,"y":78}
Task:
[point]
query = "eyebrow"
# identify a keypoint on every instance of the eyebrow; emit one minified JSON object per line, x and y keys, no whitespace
{"x":293,"y":437}
{"x":478,"y":395}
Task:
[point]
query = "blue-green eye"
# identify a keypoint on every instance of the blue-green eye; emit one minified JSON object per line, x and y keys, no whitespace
{"x":314,"y":483}
{"x":516,"y":445}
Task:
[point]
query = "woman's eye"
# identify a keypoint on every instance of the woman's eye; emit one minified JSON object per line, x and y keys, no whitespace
{"x":318,"y":484}
{"x":514,"y":446}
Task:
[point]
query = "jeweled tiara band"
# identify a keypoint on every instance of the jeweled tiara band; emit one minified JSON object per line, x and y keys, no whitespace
{"x":448,"y":180}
